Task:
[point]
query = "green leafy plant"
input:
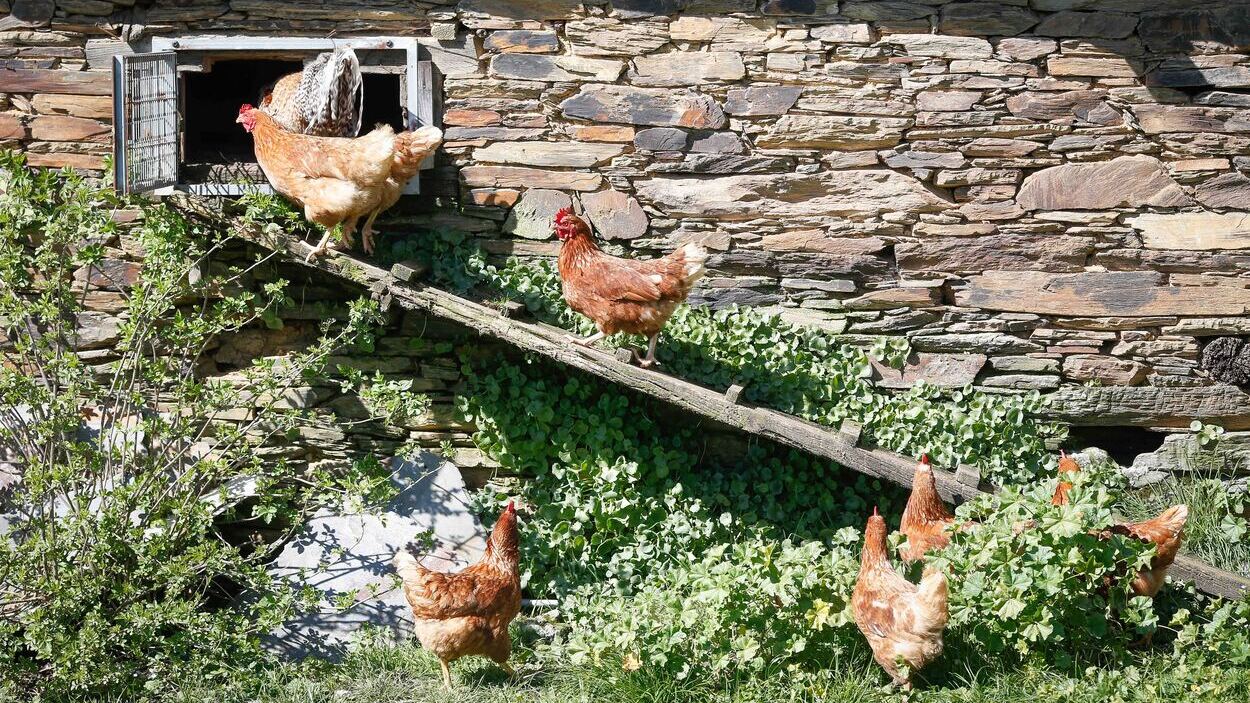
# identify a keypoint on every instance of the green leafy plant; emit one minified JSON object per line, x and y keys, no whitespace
{"x":799,"y":370}
{"x":117,"y":578}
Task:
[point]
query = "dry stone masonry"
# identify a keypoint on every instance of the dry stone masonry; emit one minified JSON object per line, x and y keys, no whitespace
{"x":1040,"y":194}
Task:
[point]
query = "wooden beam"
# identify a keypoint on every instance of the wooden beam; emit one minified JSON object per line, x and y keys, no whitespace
{"x":839,"y":445}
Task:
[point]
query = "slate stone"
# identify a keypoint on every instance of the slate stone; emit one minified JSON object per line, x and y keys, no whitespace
{"x":529,"y":10}
{"x":615,"y":215}
{"x":980,"y":19}
{"x":1219,"y":28}
{"x":840,"y":132}
{"x":1203,"y":231}
{"x":761,"y":101}
{"x":1106,"y":370}
{"x":647,"y":8}
{"x":691,"y":68}
{"x":1102,"y":25}
{"x":1026,"y":48}
{"x":608,"y":36}
{"x":571,"y":154}
{"x":942,"y":370}
{"x":843,"y":33}
{"x":790,"y":7}
{"x":946,"y":100}
{"x":1178,"y":75}
{"x":851,"y":194}
{"x":1126,"y":181}
{"x":1152,"y":406}
{"x":697,"y":141}
{"x":534,"y":213}
{"x":539,"y":67}
{"x":661,"y":139}
{"x":925,"y":159}
{"x":350,"y":553}
{"x":645,"y":106}
{"x":29,"y":13}
{"x":887,"y":11}
{"x":942,"y":46}
{"x":1101,"y":293}
{"x":522,"y":177}
{"x":1086,"y":66}
{"x":999,"y":251}
{"x":1089,"y":105}
{"x":1006,"y":148}
{"x":1231,"y":190}
{"x":522,"y":41}
{"x":723,"y":164}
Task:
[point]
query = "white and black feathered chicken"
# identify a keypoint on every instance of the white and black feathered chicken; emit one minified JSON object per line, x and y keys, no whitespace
{"x":325,"y":99}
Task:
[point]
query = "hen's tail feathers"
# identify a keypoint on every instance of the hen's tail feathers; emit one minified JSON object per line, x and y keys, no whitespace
{"x":411,"y":148}
{"x":332,"y":98}
{"x":1173,"y":519}
{"x":696,"y":259}
{"x":406,"y":565}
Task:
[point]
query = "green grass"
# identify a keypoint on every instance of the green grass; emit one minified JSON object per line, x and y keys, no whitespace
{"x":382,"y":674}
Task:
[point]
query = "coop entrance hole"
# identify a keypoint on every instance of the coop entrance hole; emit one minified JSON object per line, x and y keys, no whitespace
{"x":1121,"y":442}
{"x":211,"y":101}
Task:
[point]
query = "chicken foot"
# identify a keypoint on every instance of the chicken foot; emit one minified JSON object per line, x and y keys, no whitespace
{"x":446,"y":674}
{"x":323,"y":246}
{"x":587,"y":341}
{"x":649,"y":360}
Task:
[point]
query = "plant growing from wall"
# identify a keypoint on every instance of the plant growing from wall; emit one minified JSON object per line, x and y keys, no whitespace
{"x":799,"y":370}
{"x":115,"y":580}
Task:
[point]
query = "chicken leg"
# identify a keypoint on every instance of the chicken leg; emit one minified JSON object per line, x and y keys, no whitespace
{"x":366,"y":235}
{"x":322,"y":247}
{"x":446,"y":674}
{"x":649,"y":360}
{"x":586,"y":342}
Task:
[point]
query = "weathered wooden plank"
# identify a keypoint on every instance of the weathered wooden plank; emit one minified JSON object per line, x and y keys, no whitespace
{"x":1105,"y":293}
{"x":840,"y":446}
{"x":39,"y":80}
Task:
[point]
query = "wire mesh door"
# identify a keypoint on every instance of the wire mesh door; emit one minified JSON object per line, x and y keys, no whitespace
{"x":145,"y":119}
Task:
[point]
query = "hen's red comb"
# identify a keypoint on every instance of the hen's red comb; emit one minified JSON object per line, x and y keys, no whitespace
{"x":1063,"y":454}
{"x":924,"y":459}
{"x":874,"y":512}
{"x":511,"y":507}
{"x":563,"y":213}
{"x":245,"y":108}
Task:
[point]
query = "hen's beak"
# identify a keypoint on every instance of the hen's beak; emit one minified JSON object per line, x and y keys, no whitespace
{"x":239,"y":119}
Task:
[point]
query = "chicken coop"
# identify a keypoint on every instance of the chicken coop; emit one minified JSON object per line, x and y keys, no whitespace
{"x":174,"y":106}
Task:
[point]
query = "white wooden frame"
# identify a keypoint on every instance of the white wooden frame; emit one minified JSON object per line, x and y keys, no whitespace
{"x":418,"y":83}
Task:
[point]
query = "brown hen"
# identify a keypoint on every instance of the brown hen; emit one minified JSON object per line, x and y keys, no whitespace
{"x":336,"y":180}
{"x":1166,"y":531}
{"x":325,"y":99}
{"x":902,"y":621}
{"x":468,"y":613}
{"x":926,"y":521}
{"x":623,"y":295}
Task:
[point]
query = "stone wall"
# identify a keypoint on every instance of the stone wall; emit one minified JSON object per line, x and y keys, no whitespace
{"x":1040,"y":194}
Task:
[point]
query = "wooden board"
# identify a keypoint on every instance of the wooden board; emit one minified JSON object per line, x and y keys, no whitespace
{"x":839,"y":445}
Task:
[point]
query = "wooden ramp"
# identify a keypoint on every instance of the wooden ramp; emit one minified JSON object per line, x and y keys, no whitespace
{"x":398,"y":287}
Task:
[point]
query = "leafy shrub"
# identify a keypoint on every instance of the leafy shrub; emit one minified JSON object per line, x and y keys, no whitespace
{"x":1037,"y":578}
{"x":618,"y":494}
{"x":115,"y":577}
{"x":737,"y":609}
